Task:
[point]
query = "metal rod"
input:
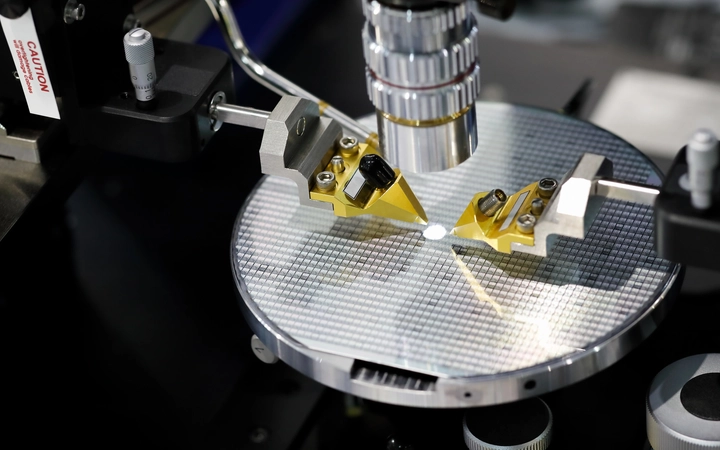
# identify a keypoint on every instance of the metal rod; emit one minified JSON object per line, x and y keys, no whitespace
{"x":629,"y":192}
{"x":225,"y":17}
{"x":240,"y":115}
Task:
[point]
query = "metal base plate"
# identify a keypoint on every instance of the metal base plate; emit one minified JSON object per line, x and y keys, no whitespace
{"x":399,"y":313}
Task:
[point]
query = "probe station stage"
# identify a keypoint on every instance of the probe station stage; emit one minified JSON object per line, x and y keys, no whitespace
{"x":443,"y":252}
{"x":409,"y":314}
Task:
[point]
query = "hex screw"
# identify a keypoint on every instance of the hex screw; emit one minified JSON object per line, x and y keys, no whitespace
{"x":349,"y":145}
{"x":547,"y":187}
{"x":526,"y":223}
{"x":325,"y":181}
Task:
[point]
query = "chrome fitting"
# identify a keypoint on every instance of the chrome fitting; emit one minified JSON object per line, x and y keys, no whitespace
{"x":492,"y":202}
{"x":702,"y":159}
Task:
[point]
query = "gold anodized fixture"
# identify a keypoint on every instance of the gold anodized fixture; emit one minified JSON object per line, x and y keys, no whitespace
{"x":499,"y":220}
{"x":397,"y":201}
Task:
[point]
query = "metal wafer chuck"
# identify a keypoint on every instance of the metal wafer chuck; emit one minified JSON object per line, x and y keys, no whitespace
{"x":332,"y":171}
{"x":531,"y":220}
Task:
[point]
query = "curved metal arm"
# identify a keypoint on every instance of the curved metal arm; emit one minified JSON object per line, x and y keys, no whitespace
{"x":225,"y":17}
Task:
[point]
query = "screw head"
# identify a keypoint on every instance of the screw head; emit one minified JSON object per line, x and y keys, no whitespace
{"x":526,"y":223}
{"x":348,"y":145}
{"x":547,"y":187}
{"x":348,"y":142}
{"x":325,"y":181}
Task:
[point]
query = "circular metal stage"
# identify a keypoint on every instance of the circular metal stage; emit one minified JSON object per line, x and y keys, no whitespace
{"x":406,"y":314}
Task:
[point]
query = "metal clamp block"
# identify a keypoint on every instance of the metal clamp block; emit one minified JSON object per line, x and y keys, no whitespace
{"x":298,"y":144}
{"x":574,"y":206}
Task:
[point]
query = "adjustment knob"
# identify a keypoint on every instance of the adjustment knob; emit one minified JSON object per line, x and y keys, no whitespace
{"x":683,"y":405}
{"x":140,"y":55}
{"x":523,"y":425}
{"x":377,"y":171}
{"x":702,"y":159}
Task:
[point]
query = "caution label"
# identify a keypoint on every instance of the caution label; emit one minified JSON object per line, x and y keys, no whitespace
{"x":32,"y":72}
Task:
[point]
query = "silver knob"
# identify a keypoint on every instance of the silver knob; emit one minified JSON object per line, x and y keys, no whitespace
{"x":683,"y":405}
{"x":524,"y":425}
{"x":140,"y":55}
{"x":702,"y":159}
{"x":262,"y":352}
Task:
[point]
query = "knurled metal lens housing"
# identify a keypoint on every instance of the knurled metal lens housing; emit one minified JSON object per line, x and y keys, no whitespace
{"x":423,"y":75}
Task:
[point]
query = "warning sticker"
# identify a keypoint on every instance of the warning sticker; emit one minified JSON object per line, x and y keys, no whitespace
{"x":24,"y":45}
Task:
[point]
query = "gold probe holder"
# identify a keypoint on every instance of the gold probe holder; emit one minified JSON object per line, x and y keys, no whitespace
{"x":499,"y":230}
{"x":396,"y":202}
